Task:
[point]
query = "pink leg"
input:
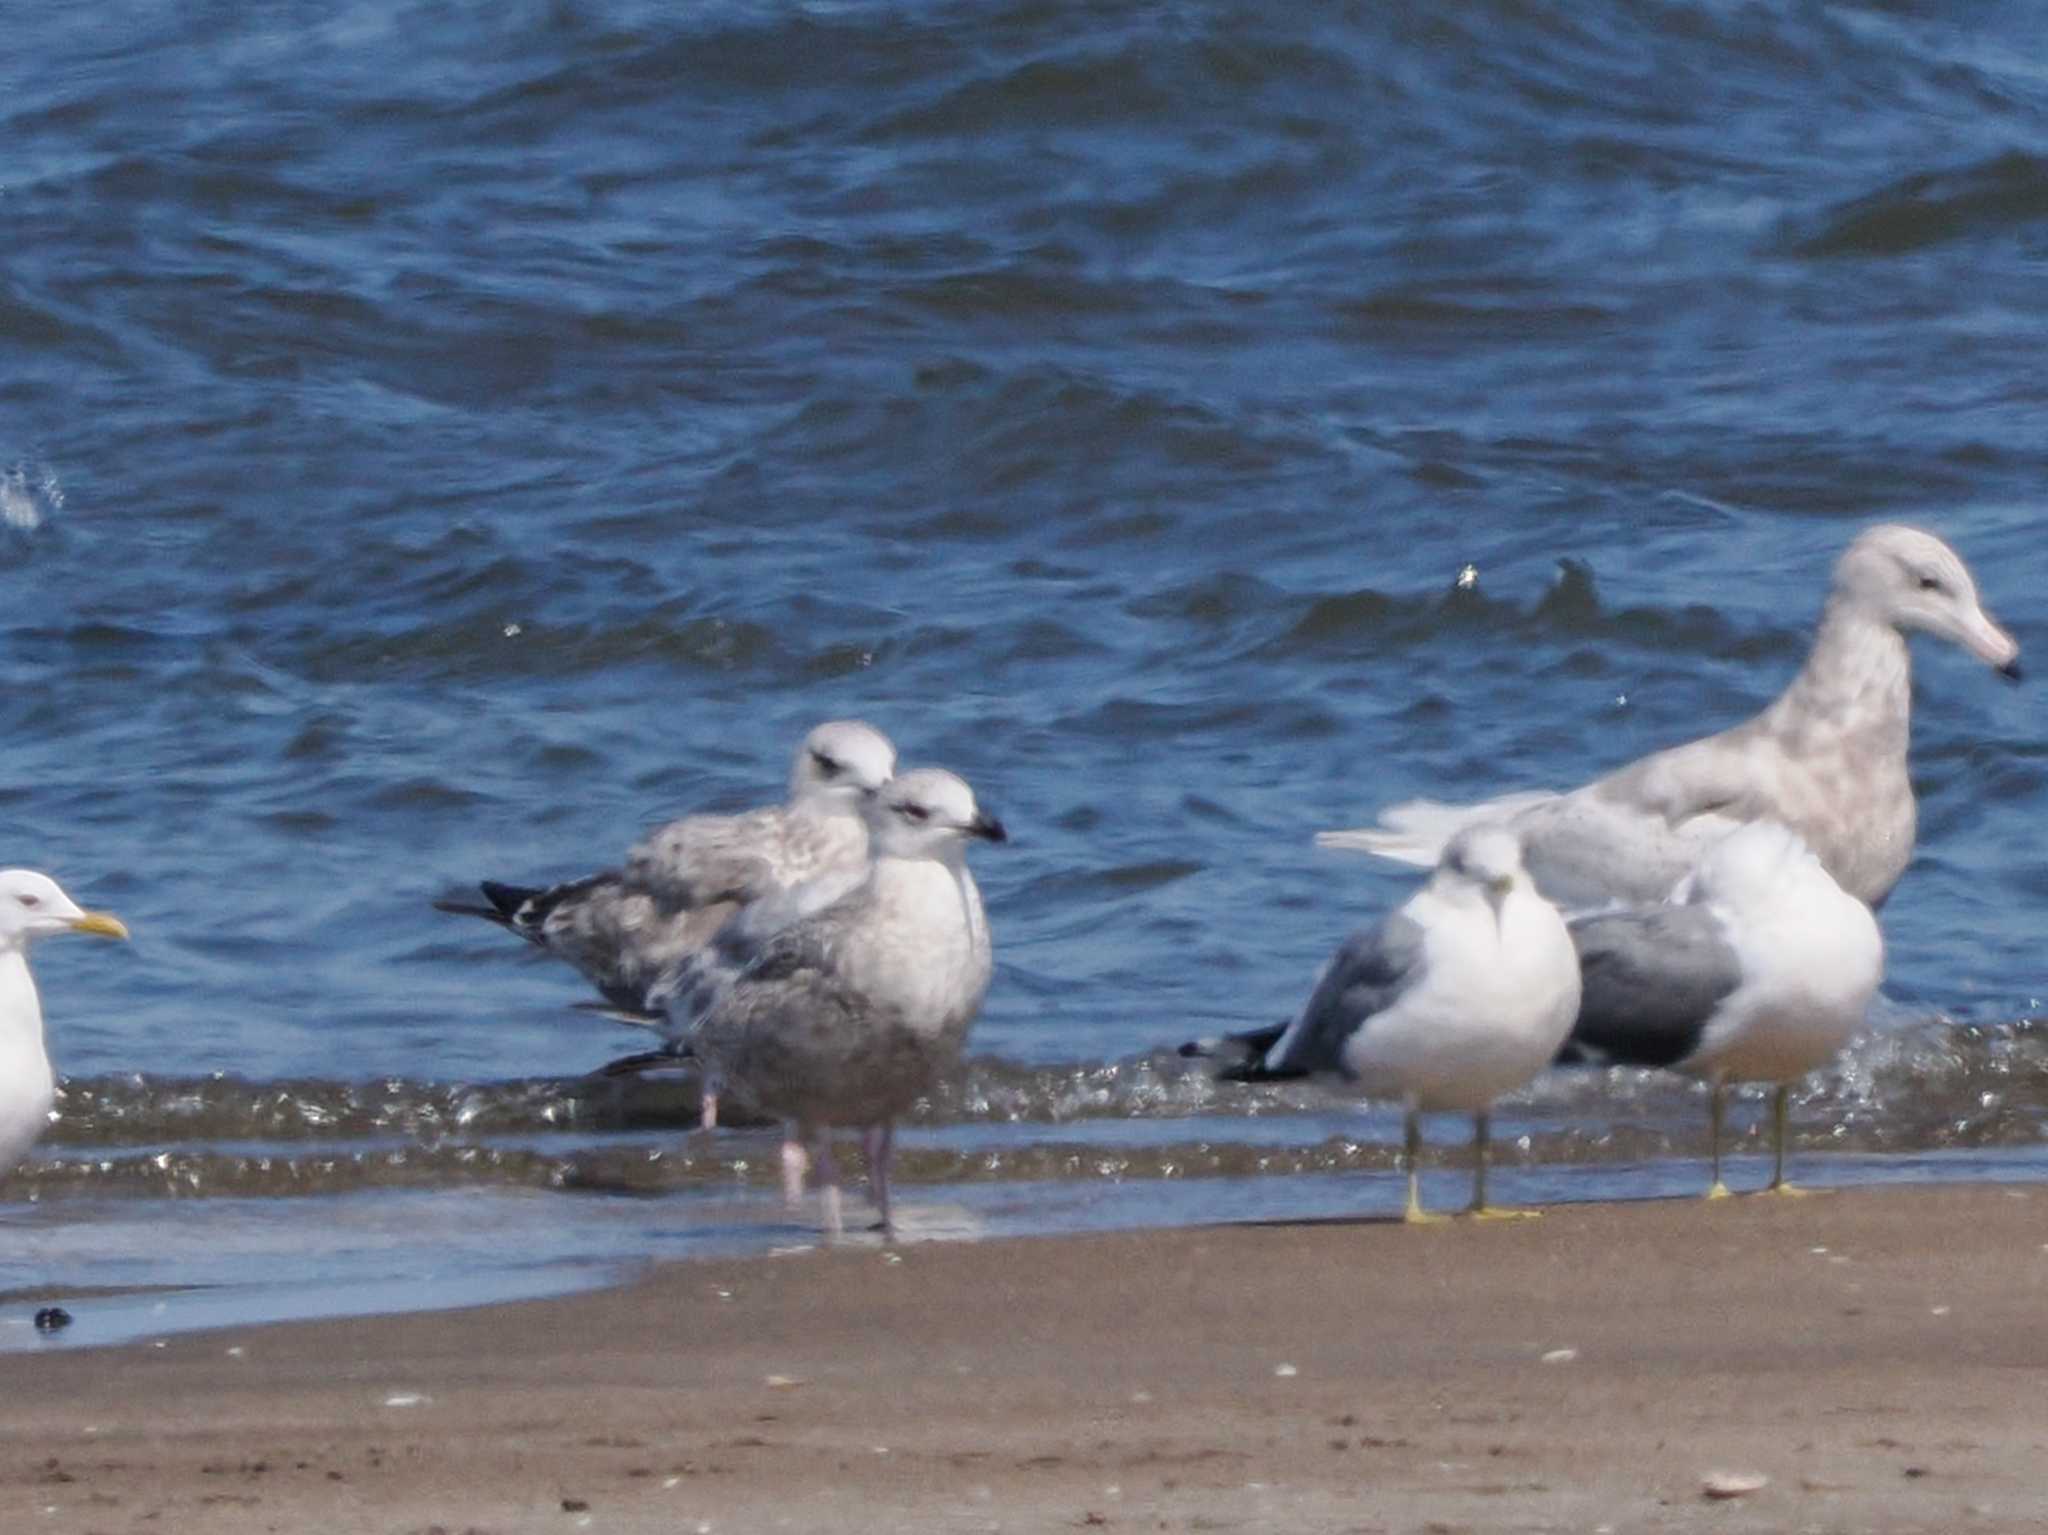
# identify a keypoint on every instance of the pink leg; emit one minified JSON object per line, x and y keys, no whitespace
{"x":707,"y":1104}
{"x":879,"y":1142}
{"x":796,"y":1162}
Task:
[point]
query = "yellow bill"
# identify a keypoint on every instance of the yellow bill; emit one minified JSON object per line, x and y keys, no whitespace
{"x":105,"y":923}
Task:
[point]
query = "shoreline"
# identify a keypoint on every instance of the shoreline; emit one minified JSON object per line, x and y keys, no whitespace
{"x":1871,"y":1353}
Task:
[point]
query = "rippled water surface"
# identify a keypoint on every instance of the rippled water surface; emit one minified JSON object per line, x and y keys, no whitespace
{"x":441,"y":440}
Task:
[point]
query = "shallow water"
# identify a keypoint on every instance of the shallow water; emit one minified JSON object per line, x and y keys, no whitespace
{"x":439,"y":441}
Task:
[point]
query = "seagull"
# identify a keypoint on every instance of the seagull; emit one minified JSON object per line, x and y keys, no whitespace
{"x":31,"y":907}
{"x":850,"y":1014}
{"x":624,"y":928}
{"x":693,"y":984}
{"x":1463,"y":993}
{"x":1758,"y":970}
{"x":1828,"y":759}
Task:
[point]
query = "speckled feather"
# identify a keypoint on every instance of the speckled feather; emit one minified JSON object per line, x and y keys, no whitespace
{"x":627,"y":930}
{"x":848,"y":1016}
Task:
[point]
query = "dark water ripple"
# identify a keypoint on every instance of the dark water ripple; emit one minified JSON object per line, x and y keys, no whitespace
{"x":439,"y":442}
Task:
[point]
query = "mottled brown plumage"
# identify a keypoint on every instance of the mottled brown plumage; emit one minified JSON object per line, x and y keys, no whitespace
{"x":1827,"y":759}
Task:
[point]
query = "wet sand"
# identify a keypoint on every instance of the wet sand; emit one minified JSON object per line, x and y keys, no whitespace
{"x":1878,"y":1356}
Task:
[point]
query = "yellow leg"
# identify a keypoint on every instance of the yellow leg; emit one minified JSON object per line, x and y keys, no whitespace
{"x":1716,"y":1102}
{"x":1479,"y":1209}
{"x":1411,"y":1148}
{"x":1778,"y":1185}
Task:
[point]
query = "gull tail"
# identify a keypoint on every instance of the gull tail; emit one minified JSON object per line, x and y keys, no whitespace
{"x":1417,"y":830}
{"x":645,"y":1061}
{"x":1242,"y":1056}
{"x":523,"y":909}
{"x":505,"y":903}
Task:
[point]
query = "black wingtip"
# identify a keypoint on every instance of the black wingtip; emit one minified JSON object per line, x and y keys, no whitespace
{"x":507,"y":898}
{"x":1243,"y":1056}
{"x":1257,"y":1071}
{"x":2011,"y":671}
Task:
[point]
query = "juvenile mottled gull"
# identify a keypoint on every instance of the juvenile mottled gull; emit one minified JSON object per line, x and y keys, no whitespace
{"x":1462,"y":994}
{"x":1828,"y":759}
{"x":623,"y":929}
{"x":31,"y":907}
{"x":849,"y":1015}
{"x":693,"y":985}
{"x":1758,"y":970}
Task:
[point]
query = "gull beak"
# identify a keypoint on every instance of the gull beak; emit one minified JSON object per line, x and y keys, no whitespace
{"x":986,"y":825}
{"x":1497,"y":897}
{"x":104,"y":923}
{"x":1992,"y":645}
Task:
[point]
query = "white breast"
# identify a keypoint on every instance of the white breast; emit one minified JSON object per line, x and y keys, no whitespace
{"x":1496,"y":1001}
{"x":28,"y":1088}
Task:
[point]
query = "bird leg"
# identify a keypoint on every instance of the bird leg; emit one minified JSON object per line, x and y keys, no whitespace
{"x":707,"y":1105}
{"x":879,"y":1142}
{"x":1716,"y":1092}
{"x":1778,"y":1185}
{"x":828,"y":1182}
{"x":796,"y":1162}
{"x":1479,"y":1209}
{"x":1411,"y":1151}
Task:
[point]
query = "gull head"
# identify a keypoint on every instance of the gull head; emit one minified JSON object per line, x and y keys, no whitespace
{"x":33,"y":906}
{"x":842,"y":758}
{"x":1915,"y":581}
{"x":1487,"y":858}
{"x":928,"y":813}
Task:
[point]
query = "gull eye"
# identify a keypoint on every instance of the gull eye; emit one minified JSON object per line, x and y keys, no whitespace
{"x":1930,"y":583}
{"x":916,"y":814}
{"x":827,"y":764}
{"x":30,"y":901}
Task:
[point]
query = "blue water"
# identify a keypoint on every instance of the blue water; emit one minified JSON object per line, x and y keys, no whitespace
{"x":443,"y":440}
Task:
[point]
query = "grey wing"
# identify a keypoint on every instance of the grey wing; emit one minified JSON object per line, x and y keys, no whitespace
{"x":698,"y":981}
{"x":798,"y":949}
{"x":1652,"y":978}
{"x":786,"y":1014}
{"x":1588,"y":850}
{"x":783,"y":908}
{"x":1373,"y":968}
{"x":622,"y":938}
{"x":705,"y":858}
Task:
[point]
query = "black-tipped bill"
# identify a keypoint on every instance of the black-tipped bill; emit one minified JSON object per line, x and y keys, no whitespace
{"x":986,"y":825}
{"x":2011,"y":670}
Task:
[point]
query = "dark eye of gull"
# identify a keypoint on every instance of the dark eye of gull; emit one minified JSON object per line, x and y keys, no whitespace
{"x":915,"y":813}
{"x":30,"y":900}
{"x":1930,"y":583}
{"x":827,"y":765}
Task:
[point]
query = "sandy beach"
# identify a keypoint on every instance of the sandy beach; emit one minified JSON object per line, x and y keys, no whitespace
{"x":1875,"y":1357}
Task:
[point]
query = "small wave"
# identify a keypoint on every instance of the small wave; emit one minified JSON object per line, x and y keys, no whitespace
{"x":139,"y":1110}
{"x":1571,"y":608}
{"x":1490,"y":314}
{"x":2000,"y":195}
{"x":1926,"y":1085}
{"x":30,"y":493}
